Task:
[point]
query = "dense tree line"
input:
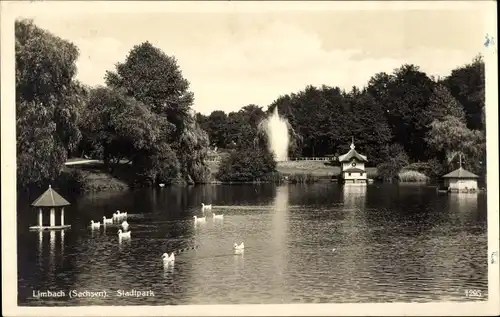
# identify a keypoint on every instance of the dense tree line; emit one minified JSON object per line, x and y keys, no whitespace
{"x":400,"y":119}
{"x":143,"y":116}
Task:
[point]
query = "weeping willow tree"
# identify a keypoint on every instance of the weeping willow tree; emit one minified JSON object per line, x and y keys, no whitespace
{"x":452,"y":137}
{"x":192,"y":151}
{"x":48,"y":99}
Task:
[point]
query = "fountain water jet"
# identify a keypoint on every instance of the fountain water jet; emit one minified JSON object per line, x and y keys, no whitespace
{"x":276,"y":129}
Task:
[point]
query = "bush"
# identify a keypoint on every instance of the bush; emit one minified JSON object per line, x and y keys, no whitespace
{"x":432,"y":168}
{"x":247,"y":166}
{"x":412,"y":177}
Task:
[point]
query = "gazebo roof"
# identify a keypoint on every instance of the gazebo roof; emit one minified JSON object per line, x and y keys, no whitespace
{"x":460,"y":173}
{"x":352,"y":154}
{"x":50,"y":198}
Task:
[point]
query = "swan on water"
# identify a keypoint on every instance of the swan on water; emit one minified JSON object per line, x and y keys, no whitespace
{"x":206,"y":207}
{"x":122,"y":234}
{"x":95,"y":225}
{"x":107,"y":221}
{"x":218,"y":216}
{"x":198,"y":220}
{"x":125,"y":225}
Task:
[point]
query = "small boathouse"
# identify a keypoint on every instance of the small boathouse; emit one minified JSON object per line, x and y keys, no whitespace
{"x":352,"y":166}
{"x":461,"y":181}
{"x":50,"y":201}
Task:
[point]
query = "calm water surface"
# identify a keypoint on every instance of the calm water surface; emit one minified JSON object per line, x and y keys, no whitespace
{"x":392,"y":243}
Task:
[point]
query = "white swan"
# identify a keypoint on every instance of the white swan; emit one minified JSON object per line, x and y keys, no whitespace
{"x":116,"y":215}
{"x":161,"y":185}
{"x":218,"y":216}
{"x":198,"y":220}
{"x":125,"y":225}
{"x":168,"y":259}
{"x":239,"y":247}
{"x":123,"y":234}
{"x":206,"y":207}
{"x":106,"y":221}
{"x":95,"y":225}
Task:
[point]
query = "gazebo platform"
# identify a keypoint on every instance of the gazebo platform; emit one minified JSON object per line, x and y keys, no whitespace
{"x":38,"y":228}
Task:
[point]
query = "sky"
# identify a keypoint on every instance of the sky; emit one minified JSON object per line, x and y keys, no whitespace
{"x":233,"y":58}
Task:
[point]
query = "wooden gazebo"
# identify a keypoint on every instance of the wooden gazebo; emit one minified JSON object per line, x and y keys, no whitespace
{"x":50,"y":200}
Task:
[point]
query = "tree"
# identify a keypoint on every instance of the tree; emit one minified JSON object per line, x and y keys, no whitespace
{"x":120,"y":126}
{"x":452,"y":137}
{"x":466,"y":84}
{"x":247,"y":166}
{"x":47,"y":103}
{"x":216,"y":127}
{"x":153,"y":78}
{"x":368,"y":125}
{"x":396,"y":159}
{"x":443,"y":104}
{"x":405,"y":95}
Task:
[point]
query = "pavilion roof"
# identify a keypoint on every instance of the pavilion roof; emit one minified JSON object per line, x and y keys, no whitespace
{"x":460,"y":173}
{"x":50,"y":198}
{"x":352,"y":154}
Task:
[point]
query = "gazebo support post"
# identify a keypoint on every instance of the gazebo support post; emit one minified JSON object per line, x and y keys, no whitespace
{"x":62,"y":216}
{"x":40,"y":218}
{"x":52,"y":217}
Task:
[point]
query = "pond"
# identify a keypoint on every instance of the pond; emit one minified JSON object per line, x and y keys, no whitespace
{"x":320,"y":243}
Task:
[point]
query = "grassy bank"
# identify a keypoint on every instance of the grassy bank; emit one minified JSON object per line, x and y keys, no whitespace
{"x":92,"y":176}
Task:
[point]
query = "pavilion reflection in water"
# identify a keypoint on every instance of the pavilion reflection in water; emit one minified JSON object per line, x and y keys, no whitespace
{"x":354,"y":196}
{"x":56,"y":246}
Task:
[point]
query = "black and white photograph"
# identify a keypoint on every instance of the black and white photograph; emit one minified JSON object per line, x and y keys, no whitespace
{"x":249,"y":158}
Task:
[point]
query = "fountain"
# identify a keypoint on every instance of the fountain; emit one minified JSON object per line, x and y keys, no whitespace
{"x":276,"y":129}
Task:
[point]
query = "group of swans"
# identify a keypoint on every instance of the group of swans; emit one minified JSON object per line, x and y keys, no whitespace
{"x":204,"y":219}
{"x":170,"y":259}
{"x":117,"y":216}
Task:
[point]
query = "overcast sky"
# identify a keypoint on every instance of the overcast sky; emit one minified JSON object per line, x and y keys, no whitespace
{"x":234,"y":58}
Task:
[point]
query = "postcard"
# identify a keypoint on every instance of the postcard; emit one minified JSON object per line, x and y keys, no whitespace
{"x":249,"y":158}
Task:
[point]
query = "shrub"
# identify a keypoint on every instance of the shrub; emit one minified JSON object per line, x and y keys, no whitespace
{"x":247,"y":166}
{"x":412,"y":177}
{"x":432,"y":168}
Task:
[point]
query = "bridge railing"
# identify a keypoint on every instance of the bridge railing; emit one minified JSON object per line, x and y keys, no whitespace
{"x":317,"y":158}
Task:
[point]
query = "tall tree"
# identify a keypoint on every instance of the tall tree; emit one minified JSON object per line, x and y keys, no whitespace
{"x":452,"y":137}
{"x":216,"y":127}
{"x":466,"y":84}
{"x":405,"y":95}
{"x":368,"y":125}
{"x":154,"y":78}
{"x":47,"y":103}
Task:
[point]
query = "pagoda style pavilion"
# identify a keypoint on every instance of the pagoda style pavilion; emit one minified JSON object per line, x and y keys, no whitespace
{"x":352,"y":166}
{"x":461,"y":180}
{"x":50,"y":200}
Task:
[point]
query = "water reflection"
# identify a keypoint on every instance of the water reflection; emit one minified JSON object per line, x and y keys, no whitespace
{"x":52,"y":248}
{"x":354,"y":196}
{"x":392,"y":244}
{"x":279,"y":235}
